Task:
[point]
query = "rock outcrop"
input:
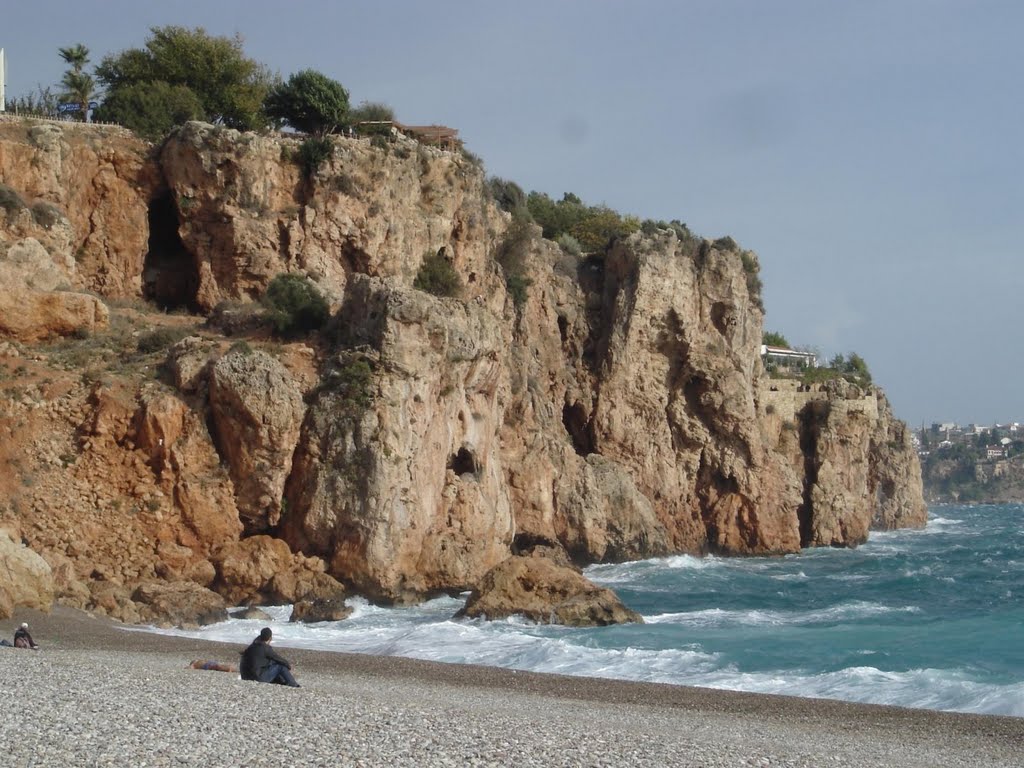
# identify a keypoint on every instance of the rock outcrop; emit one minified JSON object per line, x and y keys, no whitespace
{"x":547,"y":592}
{"x":28,"y":580}
{"x":612,"y":407}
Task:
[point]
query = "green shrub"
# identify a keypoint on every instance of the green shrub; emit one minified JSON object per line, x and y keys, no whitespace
{"x":295,"y":304}
{"x":10,"y":200}
{"x":517,"y":285}
{"x":46,"y":214}
{"x":570,"y":245}
{"x":312,"y":154}
{"x":352,"y":381}
{"x":507,"y":195}
{"x":372,"y":112}
{"x":774,"y":339}
{"x":726,"y":244}
{"x":512,"y":255}
{"x":437,"y":276}
{"x":159,"y":340}
{"x":241,"y":347}
{"x":752,"y":268}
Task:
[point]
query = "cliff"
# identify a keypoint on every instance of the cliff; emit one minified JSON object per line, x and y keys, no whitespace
{"x":618,"y":411}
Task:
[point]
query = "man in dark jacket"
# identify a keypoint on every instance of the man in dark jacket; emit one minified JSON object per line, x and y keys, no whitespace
{"x":262,"y":663}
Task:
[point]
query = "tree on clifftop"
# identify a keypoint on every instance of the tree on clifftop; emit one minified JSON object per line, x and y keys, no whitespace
{"x":309,"y":102}
{"x":78,"y":85}
{"x":228,"y":86}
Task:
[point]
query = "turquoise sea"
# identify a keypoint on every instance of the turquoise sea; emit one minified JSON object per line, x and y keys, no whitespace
{"x":929,"y":618}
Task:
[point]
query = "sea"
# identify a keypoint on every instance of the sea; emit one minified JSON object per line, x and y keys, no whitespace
{"x":927,"y":618}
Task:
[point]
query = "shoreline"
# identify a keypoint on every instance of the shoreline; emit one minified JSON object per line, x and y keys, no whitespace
{"x":548,"y":716}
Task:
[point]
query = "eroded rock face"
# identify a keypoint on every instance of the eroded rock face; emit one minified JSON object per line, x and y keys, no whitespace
{"x":859,"y":469}
{"x":101,"y":180}
{"x":398,"y":481}
{"x":34,"y":301}
{"x":257,"y":411}
{"x":248,"y":214}
{"x":546,"y":592}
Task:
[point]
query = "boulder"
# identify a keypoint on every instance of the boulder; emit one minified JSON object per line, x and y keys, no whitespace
{"x":251,"y":613}
{"x":27,"y":581}
{"x":263,"y":570}
{"x":320,"y":609}
{"x":547,"y":592}
{"x":182,"y":603}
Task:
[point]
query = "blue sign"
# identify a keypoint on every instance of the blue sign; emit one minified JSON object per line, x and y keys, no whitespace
{"x":62,"y":108}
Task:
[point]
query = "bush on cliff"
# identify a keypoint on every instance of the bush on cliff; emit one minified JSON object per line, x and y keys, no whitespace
{"x":295,"y":304}
{"x":312,"y":154}
{"x":229,"y":86}
{"x":853,"y":368}
{"x":512,"y":255}
{"x":309,"y":102}
{"x":372,"y":112}
{"x":507,"y":195}
{"x":150,"y":109}
{"x":11,"y":201}
{"x":593,"y":226}
{"x":437,"y":276}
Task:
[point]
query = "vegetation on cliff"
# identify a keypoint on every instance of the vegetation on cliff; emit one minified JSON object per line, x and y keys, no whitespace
{"x":229,"y":86}
{"x":310,"y":102}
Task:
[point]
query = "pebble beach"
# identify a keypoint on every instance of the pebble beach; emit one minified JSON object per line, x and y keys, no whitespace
{"x":99,"y":693}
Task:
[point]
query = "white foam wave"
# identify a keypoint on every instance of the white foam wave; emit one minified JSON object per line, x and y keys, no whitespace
{"x":714,"y":617}
{"x":950,"y":690}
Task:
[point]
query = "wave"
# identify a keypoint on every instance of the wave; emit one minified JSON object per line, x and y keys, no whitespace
{"x":561,"y":651}
{"x":948,"y":690}
{"x":715,"y":617}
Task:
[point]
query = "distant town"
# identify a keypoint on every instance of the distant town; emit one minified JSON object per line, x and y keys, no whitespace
{"x":972,"y":463}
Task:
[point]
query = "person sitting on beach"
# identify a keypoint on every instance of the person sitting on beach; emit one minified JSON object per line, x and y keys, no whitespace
{"x":262,"y":663}
{"x":22,"y":639}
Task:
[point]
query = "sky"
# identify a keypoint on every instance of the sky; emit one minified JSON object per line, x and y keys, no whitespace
{"x":869,"y":152}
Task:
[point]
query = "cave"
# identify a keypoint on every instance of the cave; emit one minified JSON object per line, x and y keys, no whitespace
{"x":170,"y":278}
{"x":463,"y":463}
{"x":577,"y":423}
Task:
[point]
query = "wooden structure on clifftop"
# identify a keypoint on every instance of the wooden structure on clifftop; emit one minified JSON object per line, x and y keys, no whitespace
{"x":434,"y":135}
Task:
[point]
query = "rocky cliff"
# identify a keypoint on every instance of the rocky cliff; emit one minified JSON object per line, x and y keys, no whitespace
{"x":619,"y":410}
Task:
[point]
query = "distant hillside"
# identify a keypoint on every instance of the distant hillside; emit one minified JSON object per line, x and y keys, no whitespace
{"x":965,"y":474}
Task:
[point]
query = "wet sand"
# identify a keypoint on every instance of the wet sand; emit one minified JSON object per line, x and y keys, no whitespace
{"x":98,"y":694}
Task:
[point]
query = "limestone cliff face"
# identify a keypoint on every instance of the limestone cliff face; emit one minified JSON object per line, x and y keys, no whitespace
{"x":101,"y":180}
{"x":249,"y":212}
{"x":619,"y":411}
{"x":399,"y":481}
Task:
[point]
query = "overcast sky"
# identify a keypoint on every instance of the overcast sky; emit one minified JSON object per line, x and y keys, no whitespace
{"x":869,"y":152}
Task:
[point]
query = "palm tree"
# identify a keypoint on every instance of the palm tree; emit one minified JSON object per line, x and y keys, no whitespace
{"x":79,"y":87}
{"x":76,"y":55}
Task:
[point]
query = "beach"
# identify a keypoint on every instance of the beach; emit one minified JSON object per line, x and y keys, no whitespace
{"x":100,"y":693}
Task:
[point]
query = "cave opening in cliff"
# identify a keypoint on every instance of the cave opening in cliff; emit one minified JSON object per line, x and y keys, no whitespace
{"x":170,"y":278}
{"x":463,"y":463}
{"x":577,"y":424}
